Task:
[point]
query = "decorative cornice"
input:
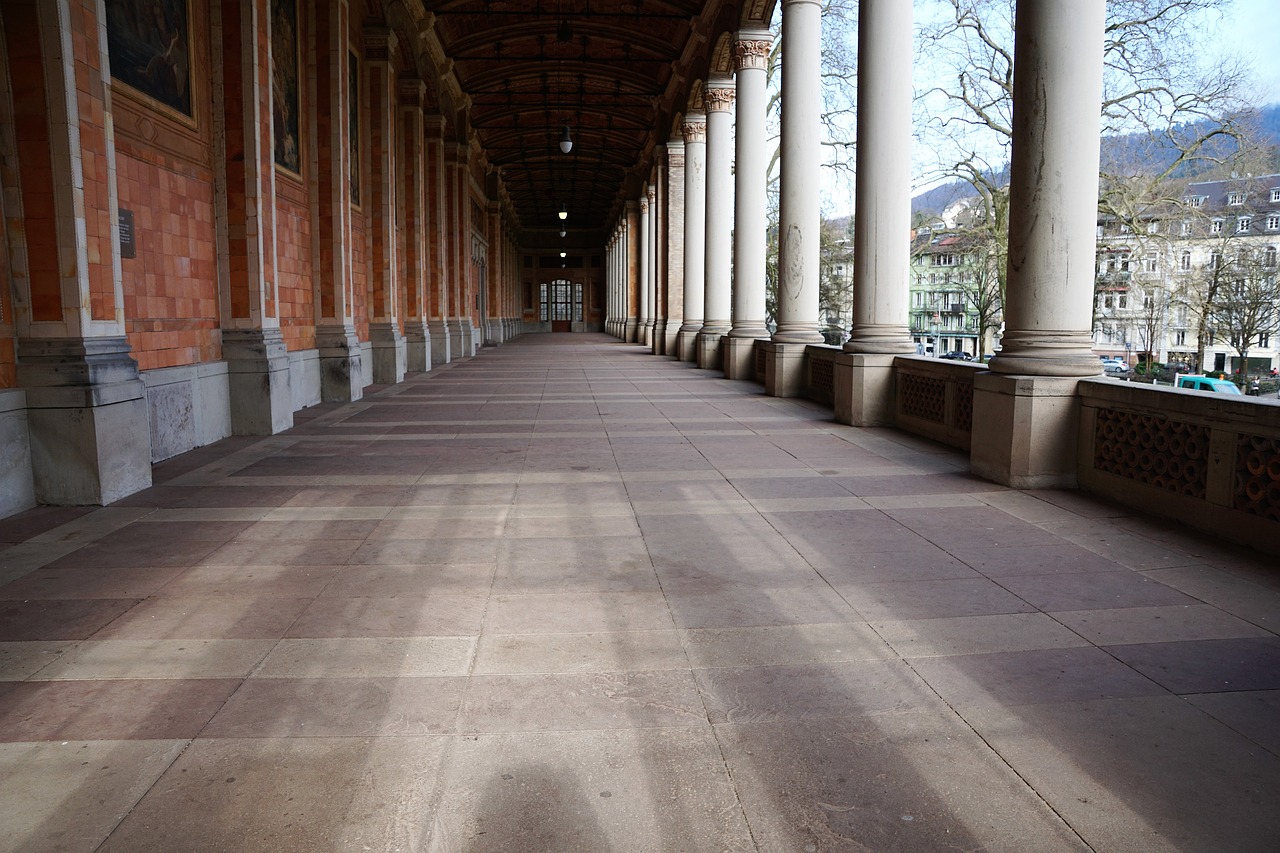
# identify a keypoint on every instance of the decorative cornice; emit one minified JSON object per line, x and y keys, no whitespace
{"x":380,"y":44}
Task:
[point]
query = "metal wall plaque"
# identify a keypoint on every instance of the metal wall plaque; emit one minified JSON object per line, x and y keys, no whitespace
{"x":128,"y":245}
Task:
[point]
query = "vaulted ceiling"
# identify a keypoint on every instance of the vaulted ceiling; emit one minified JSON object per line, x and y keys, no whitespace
{"x":619,"y":73}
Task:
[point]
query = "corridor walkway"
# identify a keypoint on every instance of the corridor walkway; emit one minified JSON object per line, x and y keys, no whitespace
{"x":567,"y":596}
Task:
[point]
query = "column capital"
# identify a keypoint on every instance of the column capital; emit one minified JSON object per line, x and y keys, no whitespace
{"x":651,"y":192}
{"x":718,"y":95}
{"x":380,"y":44}
{"x":433,"y":124}
{"x":694,"y":128}
{"x":644,"y":204}
{"x":751,"y":49}
{"x":412,"y":91}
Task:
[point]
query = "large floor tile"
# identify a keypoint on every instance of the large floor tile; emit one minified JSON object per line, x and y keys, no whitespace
{"x":1141,"y":774}
{"x":1167,"y":624}
{"x":811,"y":643}
{"x":363,"y":657}
{"x":931,"y":599}
{"x":121,"y":709}
{"x":812,"y":691}
{"x":976,"y":635}
{"x":401,"y":616}
{"x":296,"y":794}
{"x":164,"y":659}
{"x":572,"y":701}
{"x":642,"y":791}
{"x":69,"y":795}
{"x":749,"y":606}
{"x":615,"y":651}
{"x":1009,"y":679}
{"x":1093,"y":591}
{"x":1207,"y":666}
{"x":570,"y":612}
{"x":897,"y":781}
{"x":339,"y":707}
{"x":72,"y":619}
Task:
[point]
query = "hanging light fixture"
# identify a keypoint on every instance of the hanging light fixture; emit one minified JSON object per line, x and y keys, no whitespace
{"x":562,"y":231}
{"x":564,"y":212}
{"x":564,"y":254}
{"x":566,"y":142}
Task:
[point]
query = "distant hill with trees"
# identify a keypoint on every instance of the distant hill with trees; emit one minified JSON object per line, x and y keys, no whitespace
{"x":1135,"y":147}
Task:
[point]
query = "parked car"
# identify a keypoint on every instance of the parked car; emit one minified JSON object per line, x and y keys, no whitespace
{"x":1208,"y":383}
{"x":957,"y":355}
{"x":1116,"y":370}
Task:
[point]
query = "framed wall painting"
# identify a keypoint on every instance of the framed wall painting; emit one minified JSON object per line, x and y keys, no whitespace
{"x":149,"y":45}
{"x":285,"y":104}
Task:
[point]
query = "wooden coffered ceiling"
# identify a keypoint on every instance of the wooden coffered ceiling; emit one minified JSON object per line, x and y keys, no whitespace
{"x":619,"y":73}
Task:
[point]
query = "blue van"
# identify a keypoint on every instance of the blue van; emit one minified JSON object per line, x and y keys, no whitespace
{"x":1208,"y":383}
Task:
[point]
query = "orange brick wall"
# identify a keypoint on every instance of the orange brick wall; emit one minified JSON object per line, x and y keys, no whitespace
{"x":294,"y":276}
{"x":171,"y":287}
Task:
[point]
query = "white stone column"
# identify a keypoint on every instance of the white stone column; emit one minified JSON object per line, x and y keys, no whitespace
{"x":655,"y":263}
{"x":718,"y":307}
{"x":882,"y":223}
{"x":649,"y":258}
{"x":863,"y":378}
{"x":631,"y":270}
{"x":1053,"y":191}
{"x":1024,"y":426}
{"x":645,"y":333}
{"x":695,"y":222}
{"x":801,"y":155}
{"x":751,"y":57}
{"x":674,"y":244}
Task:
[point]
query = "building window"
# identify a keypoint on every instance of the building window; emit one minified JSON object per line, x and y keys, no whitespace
{"x":1125,"y":229}
{"x":946,"y":260}
{"x":1148,"y":303}
{"x":1215,"y":259}
{"x":1264,"y":340}
{"x":1269,"y":256}
{"x":1194,"y":201}
{"x":1108,"y":301}
{"x":1275,"y":194}
{"x":1179,"y":339}
{"x":1216,"y":226}
{"x":1184,"y":260}
{"x":1273,"y":223}
{"x":1244,"y":223}
{"x":1153,"y":227}
{"x":1151,"y":262}
{"x":1235,"y":198}
{"x":1186,"y":227}
{"x":1124,"y":300}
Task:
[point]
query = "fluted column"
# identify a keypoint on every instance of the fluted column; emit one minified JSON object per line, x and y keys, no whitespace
{"x":801,"y":156}
{"x":718,"y":96}
{"x":1053,"y":190}
{"x":645,"y":327}
{"x":882,"y":220}
{"x":673,"y":244}
{"x":695,"y":221}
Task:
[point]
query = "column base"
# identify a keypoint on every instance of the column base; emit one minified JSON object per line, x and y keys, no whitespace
{"x":341,"y":365}
{"x":863,"y":389}
{"x":686,"y":344}
{"x":631,"y":331}
{"x":1025,"y":430}
{"x":258,"y":381}
{"x":441,"y":350}
{"x":670,"y":339}
{"x":659,"y":343}
{"x":738,"y":355}
{"x":783,"y":368}
{"x":87,"y":420}
{"x":17,"y":488}
{"x":417,"y":346}
{"x":708,"y":347}
{"x":389,"y":354}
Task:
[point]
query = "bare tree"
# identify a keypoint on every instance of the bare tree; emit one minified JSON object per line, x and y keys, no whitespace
{"x":1244,"y":310}
{"x":1177,"y":116}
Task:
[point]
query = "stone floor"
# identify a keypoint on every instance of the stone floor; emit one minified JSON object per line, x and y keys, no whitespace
{"x":567,"y":596}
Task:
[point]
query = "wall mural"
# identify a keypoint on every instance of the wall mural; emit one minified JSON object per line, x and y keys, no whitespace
{"x":149,"y":45}
{"x":284,"y":83}
{"x":353,"y":120}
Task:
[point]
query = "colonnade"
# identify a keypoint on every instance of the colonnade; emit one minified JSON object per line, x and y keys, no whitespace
{"x":1046,"y":345}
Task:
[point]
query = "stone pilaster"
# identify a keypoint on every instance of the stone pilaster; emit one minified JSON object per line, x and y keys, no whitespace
{"x":413,"y":206}
{"x":674,"y":246}
{"x":385,"y":336}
